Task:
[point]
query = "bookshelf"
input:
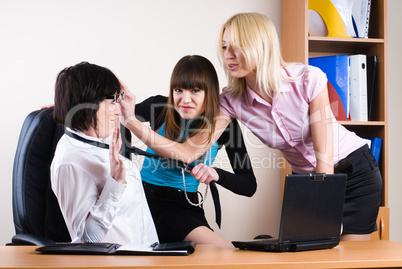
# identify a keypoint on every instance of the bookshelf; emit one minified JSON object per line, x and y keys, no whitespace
{"x":298,"y":46}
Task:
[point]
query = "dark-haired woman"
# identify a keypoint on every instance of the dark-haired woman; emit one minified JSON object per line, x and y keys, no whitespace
{"x":99,"y":192}
{"x":191,"y":108}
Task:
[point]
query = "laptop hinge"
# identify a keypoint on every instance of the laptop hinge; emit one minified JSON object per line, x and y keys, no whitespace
{"x":318,"y":176}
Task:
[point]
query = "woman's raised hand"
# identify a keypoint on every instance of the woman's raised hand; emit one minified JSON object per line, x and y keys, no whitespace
{"x":117,"y":168}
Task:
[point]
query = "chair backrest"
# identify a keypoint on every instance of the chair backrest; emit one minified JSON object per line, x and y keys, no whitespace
{"x":35,"y":207}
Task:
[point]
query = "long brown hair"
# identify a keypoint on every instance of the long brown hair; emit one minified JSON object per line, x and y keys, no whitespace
{"x":190,"y":72}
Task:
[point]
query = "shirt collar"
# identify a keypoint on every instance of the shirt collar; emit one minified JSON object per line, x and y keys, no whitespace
{"x":252,"y":97}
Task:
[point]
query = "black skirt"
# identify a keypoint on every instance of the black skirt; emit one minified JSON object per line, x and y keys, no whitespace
{"x":363,"y":191}
{"x":173,"y":215}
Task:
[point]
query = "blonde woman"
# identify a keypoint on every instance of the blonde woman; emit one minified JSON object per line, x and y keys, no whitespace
{"x":287,"y":107}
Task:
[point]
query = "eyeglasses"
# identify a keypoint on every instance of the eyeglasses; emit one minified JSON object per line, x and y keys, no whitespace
{"x":117,"y":97}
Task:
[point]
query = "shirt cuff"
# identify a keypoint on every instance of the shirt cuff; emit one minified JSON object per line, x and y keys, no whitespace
{"x":112,"y":192}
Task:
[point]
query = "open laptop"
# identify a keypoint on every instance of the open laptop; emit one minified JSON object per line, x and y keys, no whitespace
{"x":312,"y":210}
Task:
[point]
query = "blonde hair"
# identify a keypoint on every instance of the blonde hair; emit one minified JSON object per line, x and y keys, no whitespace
{"x":255,"y":36}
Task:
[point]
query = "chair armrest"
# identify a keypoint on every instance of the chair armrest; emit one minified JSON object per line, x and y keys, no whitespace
{"x":29,"y":240}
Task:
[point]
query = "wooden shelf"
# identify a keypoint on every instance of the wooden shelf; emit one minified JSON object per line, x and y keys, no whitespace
{"x":345,"y":40}
{"x":362,"y":123}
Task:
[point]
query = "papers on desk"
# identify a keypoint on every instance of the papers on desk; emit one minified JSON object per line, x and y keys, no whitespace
{"x":176,"y":248}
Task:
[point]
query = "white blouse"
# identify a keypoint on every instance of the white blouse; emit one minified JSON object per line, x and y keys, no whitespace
{"x":95,"y":207}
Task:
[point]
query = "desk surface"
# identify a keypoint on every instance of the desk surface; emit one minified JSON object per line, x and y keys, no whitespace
{"x":371,"y":254}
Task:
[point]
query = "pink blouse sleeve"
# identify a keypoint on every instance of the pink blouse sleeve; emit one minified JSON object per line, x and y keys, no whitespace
{"x":226,"y":104}
{"x":314,"y":81}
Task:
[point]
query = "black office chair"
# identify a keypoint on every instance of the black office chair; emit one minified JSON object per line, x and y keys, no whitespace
{"x":37,"y":216}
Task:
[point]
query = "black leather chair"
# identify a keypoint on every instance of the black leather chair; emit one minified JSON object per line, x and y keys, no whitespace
{"x":37,"y":216}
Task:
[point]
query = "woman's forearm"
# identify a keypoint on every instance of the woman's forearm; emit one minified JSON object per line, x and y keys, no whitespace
{"x":242,"y":184}
{"x":322,"y":132}
{"x":188,"y":151}
{"x":99,"y":220}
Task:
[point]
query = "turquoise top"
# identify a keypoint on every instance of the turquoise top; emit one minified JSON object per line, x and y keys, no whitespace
{"x":165,"y":174}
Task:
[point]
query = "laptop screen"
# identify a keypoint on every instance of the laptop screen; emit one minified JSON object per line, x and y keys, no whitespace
{"x":312,"y":209}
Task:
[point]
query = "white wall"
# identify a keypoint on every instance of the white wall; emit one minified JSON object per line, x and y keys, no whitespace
{"x":394,"y":117}
{"x":140,"y":41}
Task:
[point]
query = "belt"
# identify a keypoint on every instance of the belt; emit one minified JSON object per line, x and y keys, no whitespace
{"x":217,"y":203}
{"x":169,"y":192}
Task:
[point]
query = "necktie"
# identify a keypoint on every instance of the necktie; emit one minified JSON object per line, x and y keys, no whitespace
{"x":179,"y":164}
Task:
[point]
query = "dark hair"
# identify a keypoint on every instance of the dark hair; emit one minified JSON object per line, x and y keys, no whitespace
{"x":79,"y":91}
{"x":193,"y":71}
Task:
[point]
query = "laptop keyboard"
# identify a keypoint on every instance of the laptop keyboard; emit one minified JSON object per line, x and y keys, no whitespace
{"x":266,"y":240}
